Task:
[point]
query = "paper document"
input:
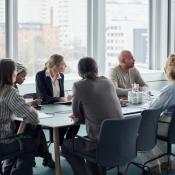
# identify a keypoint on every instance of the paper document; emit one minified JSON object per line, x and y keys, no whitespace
{"x":43,"y":115}
{"x":64,"y":102}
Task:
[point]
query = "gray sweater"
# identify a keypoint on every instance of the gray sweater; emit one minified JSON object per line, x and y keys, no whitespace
{"x":11,"y":103}
{"x":95,"y":101}
{"x":123,"y":81}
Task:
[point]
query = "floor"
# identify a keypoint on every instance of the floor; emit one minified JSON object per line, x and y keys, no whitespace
{"x":66,"y":169}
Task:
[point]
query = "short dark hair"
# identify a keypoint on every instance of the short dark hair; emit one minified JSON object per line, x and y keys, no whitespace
{"x":87,"y":68}
{"x":7,"y":67}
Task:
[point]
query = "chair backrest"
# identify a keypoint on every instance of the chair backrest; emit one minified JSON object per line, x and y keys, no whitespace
{"x":117,"y":141}
{"x":33,"y":95}
{"x":148,"y":129}
{"x":4,"y":155}
{"x":171,"y":130}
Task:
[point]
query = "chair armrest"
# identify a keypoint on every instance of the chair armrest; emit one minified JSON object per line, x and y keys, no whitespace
{"x":163,"y":122}
{"x":12,"y":137}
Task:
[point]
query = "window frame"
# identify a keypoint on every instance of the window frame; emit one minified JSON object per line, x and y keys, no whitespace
{"x":159,"y":36}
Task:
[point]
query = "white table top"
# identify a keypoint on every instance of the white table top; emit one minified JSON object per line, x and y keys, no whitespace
{"x":58,"y":115}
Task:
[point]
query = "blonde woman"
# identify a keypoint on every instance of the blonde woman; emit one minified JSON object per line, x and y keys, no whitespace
{"x":50,"y":88}
{"x":165,"y":100}
{"x":50,"y":81}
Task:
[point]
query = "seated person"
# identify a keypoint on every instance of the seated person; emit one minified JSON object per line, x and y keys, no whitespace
{"x":125,"y":74}
{"x":11,"y":103}
{"x":42,"y":148}
{"x":50,"y":88}
{"x":94,"y":100}
{"x":50,"y":81}
{"x":165,"y":100}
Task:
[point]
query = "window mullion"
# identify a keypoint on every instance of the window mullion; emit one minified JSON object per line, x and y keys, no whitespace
{"x":11,"y":29}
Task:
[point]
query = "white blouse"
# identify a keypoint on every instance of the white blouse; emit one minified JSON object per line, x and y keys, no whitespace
{"x":55,"y":84}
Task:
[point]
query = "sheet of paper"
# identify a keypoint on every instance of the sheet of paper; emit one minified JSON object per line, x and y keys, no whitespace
{"x":43,"y":115}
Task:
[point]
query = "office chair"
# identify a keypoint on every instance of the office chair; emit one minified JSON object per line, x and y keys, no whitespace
{"x":147,"y":137}
{"x":117,"y":143}
{"x":12,"y":154}
{"x":33,"y":95}
{"x":170,"y":138}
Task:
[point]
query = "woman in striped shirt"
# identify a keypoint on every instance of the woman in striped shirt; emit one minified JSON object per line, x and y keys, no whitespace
{"x":12,"y":104}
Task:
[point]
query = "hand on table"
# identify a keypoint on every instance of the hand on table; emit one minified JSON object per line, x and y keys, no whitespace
{"x":123,"y":101}
{"x":35,"y":102}
{"x":65,"y":99}
{"x":74,"y":118}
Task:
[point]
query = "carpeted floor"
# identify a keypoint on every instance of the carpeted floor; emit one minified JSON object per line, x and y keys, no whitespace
{"x":66,"y":169}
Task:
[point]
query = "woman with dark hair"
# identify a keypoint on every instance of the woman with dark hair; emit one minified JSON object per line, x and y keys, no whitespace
{"x":87,"y":68}
{"x":42,"y":148}
{"x":50,"y":88}
{"x":11,"y":103}
{"x":94,"y":100}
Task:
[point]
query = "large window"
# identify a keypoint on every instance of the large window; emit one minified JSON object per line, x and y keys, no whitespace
{"x":46,"y":27}
{"x":127,"y":28}
{"x":2,"y":29}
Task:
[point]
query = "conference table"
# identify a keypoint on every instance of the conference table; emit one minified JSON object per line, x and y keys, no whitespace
{"x":57,"y":116}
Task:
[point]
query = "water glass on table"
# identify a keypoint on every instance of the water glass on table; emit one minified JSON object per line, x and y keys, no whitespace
{"x":146,"y":94}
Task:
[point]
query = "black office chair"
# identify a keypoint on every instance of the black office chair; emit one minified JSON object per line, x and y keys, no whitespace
{"x":34,"y":96}
{"x":147,"y":138}
{"x":29,"y":95}
{"x":170,"y":138}
{"x":117,"y":143}
{"x":9,"y":155}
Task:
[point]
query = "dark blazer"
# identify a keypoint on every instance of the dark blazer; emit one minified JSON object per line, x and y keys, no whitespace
{"x":44,"y":88}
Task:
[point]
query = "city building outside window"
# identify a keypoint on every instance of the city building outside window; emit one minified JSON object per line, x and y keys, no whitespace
{"x":127,"y":28}
{"x":46,"y":27}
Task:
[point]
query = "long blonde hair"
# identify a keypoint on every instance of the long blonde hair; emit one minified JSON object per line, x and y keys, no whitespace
{"x":53,"y":60}
{"x":170,"y":67}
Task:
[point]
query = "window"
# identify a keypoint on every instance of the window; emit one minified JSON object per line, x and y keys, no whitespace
{"x":2,"y":29}
{"x":127,"y":25}
{"x":49,"y":27}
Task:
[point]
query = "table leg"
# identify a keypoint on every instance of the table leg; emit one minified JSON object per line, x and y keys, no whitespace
{"x":57,"y":151}
{"x":21,"y":128}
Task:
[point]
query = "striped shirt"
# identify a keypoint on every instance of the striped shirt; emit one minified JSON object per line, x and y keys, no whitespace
{"x":123,"y":80}
{"x":12,"y":104}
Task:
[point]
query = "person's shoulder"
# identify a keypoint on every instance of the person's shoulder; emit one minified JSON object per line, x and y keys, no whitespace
{"x":79,"y":82}
{"x":134,"y":70}
{"x":115,"y":68}
{"x":10,"y":88}
{"x":105,"y":79}
{"x":10,"y":91}
{"x":114,"y":71}
{"x":41,"y":73}
{"x":170,"y":88}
